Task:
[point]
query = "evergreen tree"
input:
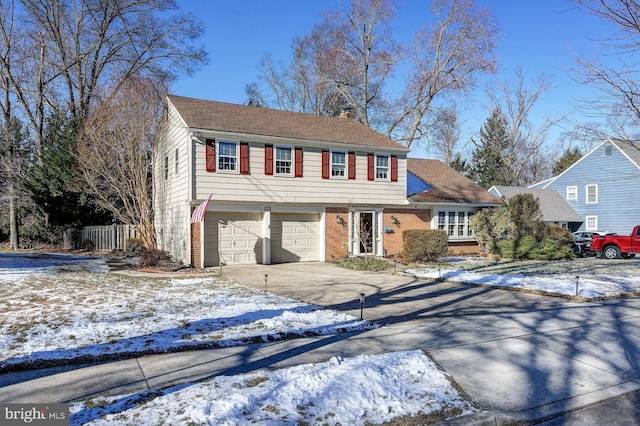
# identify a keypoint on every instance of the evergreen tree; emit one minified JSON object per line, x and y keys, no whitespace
{"x":487,"y":166}
{"x":568,"y":158}
{"x":52,"y":183}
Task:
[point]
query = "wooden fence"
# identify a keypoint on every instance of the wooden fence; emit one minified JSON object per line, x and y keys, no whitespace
{"x":110,"y":237}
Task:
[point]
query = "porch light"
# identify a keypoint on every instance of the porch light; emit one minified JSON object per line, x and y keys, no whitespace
{"x":395,"y":221}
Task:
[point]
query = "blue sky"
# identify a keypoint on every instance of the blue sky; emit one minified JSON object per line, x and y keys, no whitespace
{"x":537,"y":36}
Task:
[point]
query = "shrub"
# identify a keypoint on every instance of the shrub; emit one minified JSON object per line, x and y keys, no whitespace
{"x":153,"y":258}
{"x":369,"y":264}
{"x":424,"y":245}
{"x":135,"y":247}
{"x":557,"y":243}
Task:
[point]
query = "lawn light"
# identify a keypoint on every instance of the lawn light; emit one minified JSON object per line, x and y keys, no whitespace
{"x":361,"y":306}
{"x":439,"y":271}
{"x":266,"y":277}
{"x":577,"y":282}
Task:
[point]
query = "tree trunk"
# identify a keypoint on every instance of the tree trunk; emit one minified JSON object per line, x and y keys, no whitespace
{"x":14,"y":240}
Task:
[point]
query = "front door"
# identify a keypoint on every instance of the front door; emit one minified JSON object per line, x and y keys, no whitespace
{"x":366,"y":232}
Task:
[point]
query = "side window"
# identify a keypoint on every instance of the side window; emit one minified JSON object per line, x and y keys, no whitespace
{"x":177,"y":162}
{"x":572,"y":192}
{"x":227,"y":156}
{"x":283,"y":161}
{"x":338,"y":164}
{"x":592,"y":194}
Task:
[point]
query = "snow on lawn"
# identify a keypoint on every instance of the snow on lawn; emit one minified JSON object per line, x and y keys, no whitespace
{"x":595,"y":278}
{"x":84,"y":316}
{"x":352,"y":391}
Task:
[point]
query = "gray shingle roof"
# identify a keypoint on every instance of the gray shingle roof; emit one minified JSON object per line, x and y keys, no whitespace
{"x":631,"y":149}
{"x":450,"y":186}
{"x":225,"y":117}
{"x":553,"y":207}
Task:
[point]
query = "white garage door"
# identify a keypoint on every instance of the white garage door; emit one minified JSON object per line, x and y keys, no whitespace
{"x":232,"y":238}
{"x":295,"y":237}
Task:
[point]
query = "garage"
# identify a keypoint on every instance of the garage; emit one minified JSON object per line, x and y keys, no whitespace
{"x":232,"y":238}
{"x":295,"y":237}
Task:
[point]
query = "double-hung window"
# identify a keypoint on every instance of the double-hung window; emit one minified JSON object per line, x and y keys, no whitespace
{"x":227,"y":156}
{"x":338,"y":164}
{"x":572,"y":192}
{"x":592,"y":194}
{"x":382,"y":167}
{"x":283,"y":161}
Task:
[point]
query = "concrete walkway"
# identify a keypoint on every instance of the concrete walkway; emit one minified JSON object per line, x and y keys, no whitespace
{"x":520,"y":357}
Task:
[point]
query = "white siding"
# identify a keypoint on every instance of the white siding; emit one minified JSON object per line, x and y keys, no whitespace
{"x":171,"y":194}
{"x":309,"y":189}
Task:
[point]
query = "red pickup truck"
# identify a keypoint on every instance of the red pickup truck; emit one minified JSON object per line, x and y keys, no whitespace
{"x":617,"y":246}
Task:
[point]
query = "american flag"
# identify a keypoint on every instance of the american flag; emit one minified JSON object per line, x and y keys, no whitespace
{"x":198,"y":213}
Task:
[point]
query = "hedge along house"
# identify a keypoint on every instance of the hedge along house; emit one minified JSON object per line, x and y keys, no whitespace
{"x":284,"y":186}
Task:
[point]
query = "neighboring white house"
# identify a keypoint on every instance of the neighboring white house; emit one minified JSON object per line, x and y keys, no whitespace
{"x":284,"y":186}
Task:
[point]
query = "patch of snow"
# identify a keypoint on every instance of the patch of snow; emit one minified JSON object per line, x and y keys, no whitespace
{"x":362,"y":390}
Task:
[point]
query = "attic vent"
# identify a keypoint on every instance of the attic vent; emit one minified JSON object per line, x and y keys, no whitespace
{"x":608,"y":150}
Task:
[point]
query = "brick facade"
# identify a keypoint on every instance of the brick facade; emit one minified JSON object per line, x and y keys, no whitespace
{"x":195,"y":245}
{"x":337,"y":233}
{"x":463,"y":247}
{"x":404,"y":219}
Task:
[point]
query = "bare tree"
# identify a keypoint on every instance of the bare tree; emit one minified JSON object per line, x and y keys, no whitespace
{"x":614,"y":72}
{"x":351,"y":55}
{"x":57,"y":56}
{"x":445,"y":133}
{"x":343,"y":63}
{"x":12,"y":154}
{"x":524,"y":157}
{"x":445,"y":60}
{"x":115,"y":153}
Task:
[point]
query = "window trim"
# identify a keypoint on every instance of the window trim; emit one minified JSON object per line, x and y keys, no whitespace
{"x":586,"y":196}
{"x":291,"y":160}
{"x":236,"y":169}
{"x":345,"y":165}
{"x":572,"y":192}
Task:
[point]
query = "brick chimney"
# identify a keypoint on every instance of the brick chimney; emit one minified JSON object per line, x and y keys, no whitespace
{"x":347,"y":114}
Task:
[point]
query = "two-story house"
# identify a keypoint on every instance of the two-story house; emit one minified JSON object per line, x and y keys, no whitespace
{"x":284,"y":187}
{"x":603,"y":187}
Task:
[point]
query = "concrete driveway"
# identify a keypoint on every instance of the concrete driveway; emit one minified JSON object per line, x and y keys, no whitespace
{"x":519,"y":356}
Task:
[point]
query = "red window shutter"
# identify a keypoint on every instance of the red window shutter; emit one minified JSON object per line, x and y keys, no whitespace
{"x":325,"y":164}
{"x":394,"y":168}
{"x":211,"y":155}
{"x":244,"y":158}
{"x":268,"y":159}
{"x":298,"y":162}
{"x":352,"y":165}
{"x":371,"y":167}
